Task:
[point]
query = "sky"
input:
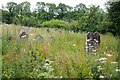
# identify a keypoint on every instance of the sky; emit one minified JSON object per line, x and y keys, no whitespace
{"x":72,"y":3}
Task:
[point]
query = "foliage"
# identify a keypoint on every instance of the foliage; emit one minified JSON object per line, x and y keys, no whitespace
{"x":54,"y":24}
{"x":114,"y":14}
{"x":79,"y":18}
{"x":64,"y":57}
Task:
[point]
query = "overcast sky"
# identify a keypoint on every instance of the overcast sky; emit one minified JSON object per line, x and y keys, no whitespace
{"x":72,"y":3}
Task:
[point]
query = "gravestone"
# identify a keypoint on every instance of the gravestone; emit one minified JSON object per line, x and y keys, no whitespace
{"x":92,"y":41}
{"x":39,"y":38}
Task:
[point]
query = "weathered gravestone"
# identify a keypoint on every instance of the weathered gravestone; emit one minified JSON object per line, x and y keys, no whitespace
{"x":39,"y":38}
{"x":96,"y":37}
{"x":92,"y":41}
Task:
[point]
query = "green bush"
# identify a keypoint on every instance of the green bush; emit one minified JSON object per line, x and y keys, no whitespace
{"x":54,"y":24}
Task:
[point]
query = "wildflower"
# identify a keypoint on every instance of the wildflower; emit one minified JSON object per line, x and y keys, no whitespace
{"x":31,"y":34}
{"x":24,"y":50}
{"x":60,"y":76}
{"x":104,"y":52}
{"x":89,"y":44}
{"x":114,"y":62}
{"x":94,"y":51}
{"x":74,"y":45}
{"x":101,"y":76}
{"x":106,"y":48}
{"x":109,"y":55}
{"x":102,"y":59}
{"x":99,"y":67}
{"x":117,"y":70}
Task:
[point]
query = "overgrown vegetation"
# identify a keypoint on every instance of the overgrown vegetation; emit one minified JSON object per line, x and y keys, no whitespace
{"x":78,"y":19}
{"x":63,"y":57}
{"x":59,"y":49}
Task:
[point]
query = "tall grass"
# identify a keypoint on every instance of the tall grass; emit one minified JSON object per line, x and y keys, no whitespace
{"x":64,"y":57}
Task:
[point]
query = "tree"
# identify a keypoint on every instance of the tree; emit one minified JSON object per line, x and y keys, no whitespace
{"x":6,"y":17}
{"x":62,"y":10}
{"x":41,"y":12}
{"x":114,"y":14}
{"x":11,"y":8}
{"x":24,"y":7}
{"x":51,"y":8}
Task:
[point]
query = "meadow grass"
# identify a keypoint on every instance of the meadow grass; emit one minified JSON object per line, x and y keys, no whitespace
{"x":63,"y":57}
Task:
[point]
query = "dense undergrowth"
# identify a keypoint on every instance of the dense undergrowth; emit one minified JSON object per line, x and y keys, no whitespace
{"x":60,"y":54}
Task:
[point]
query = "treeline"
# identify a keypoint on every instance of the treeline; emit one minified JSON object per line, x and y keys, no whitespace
{"x":78,"y":19}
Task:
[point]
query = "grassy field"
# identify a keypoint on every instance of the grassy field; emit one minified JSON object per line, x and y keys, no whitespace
{"x":60,"y":54}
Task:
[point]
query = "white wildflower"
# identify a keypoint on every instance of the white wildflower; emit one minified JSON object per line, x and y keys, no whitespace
{"x":89,"y":44}
{"x":24,"y":50}
{"x":106,"y":47}
{"x":31,"y":34}
{"x":101,"y":76}
{"x":102,"y":59}
{"x":95,"y":53}
{"x":108,"y":55}
{"x":60,"y":76}
{"x":99,"y":67}
{"x":104,"y":52}
{"x":74,"y":45}
{"x":94,"y":50}
{"x":114,"y":62}
{"x":117,"y":70}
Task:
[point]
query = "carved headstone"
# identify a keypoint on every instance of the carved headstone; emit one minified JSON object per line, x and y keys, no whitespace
{"x":92,"y":41}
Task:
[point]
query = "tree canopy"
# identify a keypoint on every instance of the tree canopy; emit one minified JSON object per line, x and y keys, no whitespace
{"x":79,"y":18}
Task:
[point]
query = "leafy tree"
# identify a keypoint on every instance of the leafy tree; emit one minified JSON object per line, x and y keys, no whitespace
{"x":6,"y":17}
{"x":51,"y":8}
{"x":62,"y":10}
{"x":24,"y":8}
{"x":11,"y":6}
{"x":41,"y":12}
{"x":114,"y":14}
